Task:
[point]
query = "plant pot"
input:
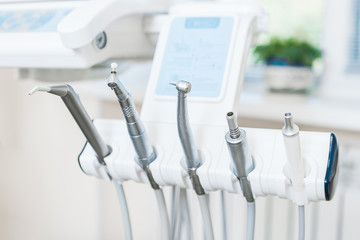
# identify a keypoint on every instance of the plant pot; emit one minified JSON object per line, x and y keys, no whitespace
{"x":288,"y":78}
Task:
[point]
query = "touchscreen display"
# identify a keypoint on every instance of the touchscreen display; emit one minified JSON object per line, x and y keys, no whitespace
{"x":196,"y":51}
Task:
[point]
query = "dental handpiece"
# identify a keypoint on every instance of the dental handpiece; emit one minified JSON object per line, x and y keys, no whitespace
{"x":242,"y":162}
{"x":77,"y":110}
{"x":296,"y":168}
{"x":146,"y":154}
{"x":192,"y":155}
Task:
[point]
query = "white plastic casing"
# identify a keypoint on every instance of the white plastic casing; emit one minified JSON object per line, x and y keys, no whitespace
{"x":266,"y":147}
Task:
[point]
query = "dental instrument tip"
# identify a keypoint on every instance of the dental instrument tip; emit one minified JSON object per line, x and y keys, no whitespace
{"x":41,"y":89}
{"x":113,"y":67}
{"x":112,"y":79}
{"x":233,"y":126}
{"x":183,"y":86}
{"x":288,"y":120}
{"x":171,"y":83}
{"x":290,"y":128}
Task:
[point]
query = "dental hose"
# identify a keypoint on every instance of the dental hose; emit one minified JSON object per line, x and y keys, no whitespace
{"x":81,"y":117}
{"x":180,"y":214}
{"x":185,"y":216}
{"x":301,"y":223}
{"x":205,"y":212}
{"x":223,"y":215}
{"x":250,"y":221}
{"x":242,"y":165}
{"x":124,"y":210}
{"x":145,"y":152}
{"x":165,"y":233}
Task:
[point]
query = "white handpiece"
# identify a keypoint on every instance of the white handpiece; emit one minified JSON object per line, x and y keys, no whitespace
{"x":295,"y":162}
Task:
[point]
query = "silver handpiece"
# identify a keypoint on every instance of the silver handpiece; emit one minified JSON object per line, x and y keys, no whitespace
{"x":143,"y":148}
{"x":242,"y":162}
{"x":77,"y":110}
{"x":192,"y":155}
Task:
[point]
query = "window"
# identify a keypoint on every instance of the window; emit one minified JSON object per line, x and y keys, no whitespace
{"x":354,"y":54}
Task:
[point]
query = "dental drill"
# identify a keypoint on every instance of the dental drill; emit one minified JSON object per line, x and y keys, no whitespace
{"x":295,"y":164}
{"x":242,"y":165}
{"x":145,"y":152}
{"x":77,"y":110}
{"x":192,"y":155}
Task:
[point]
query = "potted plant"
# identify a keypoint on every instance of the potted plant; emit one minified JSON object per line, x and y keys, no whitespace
{"x":288,"y":63}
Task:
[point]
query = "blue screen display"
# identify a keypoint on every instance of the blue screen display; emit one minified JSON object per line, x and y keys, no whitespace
{"x":32,"y":21}
{"x":196,"y":51}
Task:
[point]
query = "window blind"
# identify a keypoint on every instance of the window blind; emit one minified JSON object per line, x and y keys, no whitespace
{"x":354,"y":59}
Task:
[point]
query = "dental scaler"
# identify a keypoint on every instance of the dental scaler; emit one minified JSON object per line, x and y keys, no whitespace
{"x":192,"y":155}
{"x":295,"y":166}
{"x":77,"y":110}
{"x":295,"y":163}
{"x":242,"y":165}
{"x":145,"y":152}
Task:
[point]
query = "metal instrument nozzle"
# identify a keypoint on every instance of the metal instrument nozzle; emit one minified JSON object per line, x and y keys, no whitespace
{"x":290,"y":128}
{"x":242,"y":162}
{"x":182,"y":86}
{"x":233,"y":126}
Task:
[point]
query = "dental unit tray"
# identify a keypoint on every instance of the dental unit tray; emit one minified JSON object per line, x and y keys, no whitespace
{"x":76,"y":34}
{"x":206,"y":43}
{"x":266,"y":145}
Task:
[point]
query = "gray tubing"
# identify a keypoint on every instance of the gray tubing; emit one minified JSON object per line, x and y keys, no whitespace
{"x":124,"y":209}
{"x":250,"y":226}
{"x":301,"y":223}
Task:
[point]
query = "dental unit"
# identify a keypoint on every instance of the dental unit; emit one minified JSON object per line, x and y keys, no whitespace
{"x":178,"y":141}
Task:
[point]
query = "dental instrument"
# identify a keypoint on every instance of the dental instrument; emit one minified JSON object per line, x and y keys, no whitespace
{"x":77,"y":110}
{"x":242,"y":165}
{"x":145,"y":152}
{"x":192,"y":155}
{"x":295,"y":165}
